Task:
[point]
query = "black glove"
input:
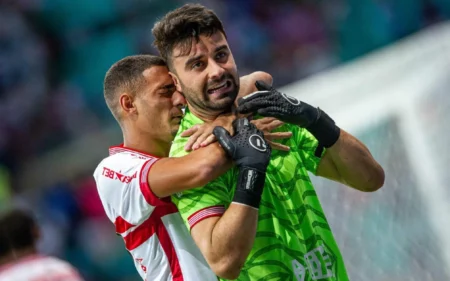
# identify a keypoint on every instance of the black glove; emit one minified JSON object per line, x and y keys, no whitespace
{"x":269,"y":102}
{"x":251,"y":153}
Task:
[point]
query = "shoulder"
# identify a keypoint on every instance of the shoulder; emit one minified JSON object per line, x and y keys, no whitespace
{"x":119,"y":170}
{"x":189,"y":120}
{"x":60,"y":263}
{"x":121,"y":162}
{"x":59,"y":268}
{"x":177,"y":148}
{"x":36,"y":265}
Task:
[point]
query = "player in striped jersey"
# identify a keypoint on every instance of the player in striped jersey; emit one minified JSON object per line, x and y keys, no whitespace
{"x":290,"y":238}
{"x":134,"y":182}
{"x":19,"y":258}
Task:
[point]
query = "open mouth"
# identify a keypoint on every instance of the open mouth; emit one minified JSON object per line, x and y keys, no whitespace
{"x":222,"y":88}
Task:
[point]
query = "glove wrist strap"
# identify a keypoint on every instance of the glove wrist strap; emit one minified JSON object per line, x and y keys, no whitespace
{"x":324,"y":129}
{"x":249,"y":187}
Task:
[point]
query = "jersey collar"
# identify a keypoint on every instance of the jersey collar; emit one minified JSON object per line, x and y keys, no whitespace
{"x":122,"y":149}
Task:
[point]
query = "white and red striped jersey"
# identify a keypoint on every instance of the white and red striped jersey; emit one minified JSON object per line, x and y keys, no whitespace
{"x":38,"y":268}
{"x":151,"y":227}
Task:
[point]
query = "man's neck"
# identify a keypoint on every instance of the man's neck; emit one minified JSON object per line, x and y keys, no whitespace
{"x":17,"y":255}
{"x":140,"y":141}
{"x":151,"y":147}
{"x":207,"y":117}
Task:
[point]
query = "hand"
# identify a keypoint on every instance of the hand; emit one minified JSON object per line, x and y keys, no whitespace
{"x":269,"y":102}
{"x":247,"y":147}
{"x":251,"y":153}
{"x":202,"y":135}
{"x":267,"y":125}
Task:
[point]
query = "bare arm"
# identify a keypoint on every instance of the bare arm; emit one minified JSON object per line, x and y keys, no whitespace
{"x":226,"y":241}
{"x":347,"y":160}
{"x":247,"y":83}
{"x":350,"y":162}
{"x":171,"y":175}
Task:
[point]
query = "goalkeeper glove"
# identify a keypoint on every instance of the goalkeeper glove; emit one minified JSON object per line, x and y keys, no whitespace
{"x":270,"y":102}
{"x":251,"y":153}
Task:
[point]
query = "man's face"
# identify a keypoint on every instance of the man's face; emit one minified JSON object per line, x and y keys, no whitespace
{"x":207,"y":76}
{"x":159,"y":104}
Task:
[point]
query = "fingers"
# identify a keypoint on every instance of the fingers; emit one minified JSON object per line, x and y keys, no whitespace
{"x":192,"y":140}
{"x":200,"y":140}
{"x":265,"y":120}
{"x":199,"y":136}
{"x":275,"y":124}
{"x":208,"y":141}
{"x":252,"y":96}
{"x":254,"y":104}
{"x":278,"y":135}
{"x":271,"y":111}
{"x":278,"y":146}
{"x":224,"y":139}
{"x":267,"y":124}
{"x":262,"y":86}
{"x":270,"y":137}
{"x":189,"y":132}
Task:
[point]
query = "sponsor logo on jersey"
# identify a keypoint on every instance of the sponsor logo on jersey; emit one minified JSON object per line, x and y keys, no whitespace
{"x":318,"y":263}
{"x":118,"y":176}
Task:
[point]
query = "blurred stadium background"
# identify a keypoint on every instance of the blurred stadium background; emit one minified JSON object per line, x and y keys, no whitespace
{"x":381,"y":68}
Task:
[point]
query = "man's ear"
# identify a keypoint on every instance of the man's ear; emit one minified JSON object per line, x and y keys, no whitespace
{"x":176,"y":81}
{"x":126,"y":103}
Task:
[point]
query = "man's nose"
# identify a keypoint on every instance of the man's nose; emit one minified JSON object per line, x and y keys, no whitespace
{"x":178,"y":99}
{"x":216,"y":71}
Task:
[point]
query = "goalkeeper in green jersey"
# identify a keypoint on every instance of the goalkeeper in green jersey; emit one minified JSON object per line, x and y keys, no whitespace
{"x":278,"y":232}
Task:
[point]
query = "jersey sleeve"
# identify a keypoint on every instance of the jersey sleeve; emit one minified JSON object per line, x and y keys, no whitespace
{"x":203,"y":202}
{"x":307,"y":147}
{"x":124,"y":190}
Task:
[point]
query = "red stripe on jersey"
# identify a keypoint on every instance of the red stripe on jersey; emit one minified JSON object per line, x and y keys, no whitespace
{"x":122,"y":225}
{"x":149,"y":196}
{"x":169,"y":249}
{"x":154,"y":225}
{"x":205,"y":213}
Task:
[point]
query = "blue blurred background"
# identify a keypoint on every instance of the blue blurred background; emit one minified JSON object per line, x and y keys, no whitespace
{"x":53,"y":57}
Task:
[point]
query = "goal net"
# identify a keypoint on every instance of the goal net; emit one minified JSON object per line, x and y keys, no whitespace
{"x":397,"y":101}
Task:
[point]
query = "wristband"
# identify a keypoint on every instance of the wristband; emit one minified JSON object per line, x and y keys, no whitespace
{"x":324,"y":130}
{"x":249,"y":187}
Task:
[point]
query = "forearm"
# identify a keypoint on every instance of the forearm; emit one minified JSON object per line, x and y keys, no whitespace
{"x":171,"y":175}
{"x":247,"y":83}
{"x":354,"y":163}
{"x":226,"y":241}
{"x":231,"y":239}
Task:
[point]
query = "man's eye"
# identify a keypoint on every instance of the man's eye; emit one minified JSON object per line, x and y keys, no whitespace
{"x":167,"y":94}
{"x":197,"y":65}
{"x":221,"y":55}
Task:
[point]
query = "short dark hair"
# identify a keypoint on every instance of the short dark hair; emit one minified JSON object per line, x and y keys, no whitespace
{"x":178,"y":27}
{"x":126,"y":75}
{"x":17,"y":231}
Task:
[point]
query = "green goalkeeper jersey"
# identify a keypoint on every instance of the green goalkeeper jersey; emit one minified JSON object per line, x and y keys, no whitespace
{"x":293,"y":239}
